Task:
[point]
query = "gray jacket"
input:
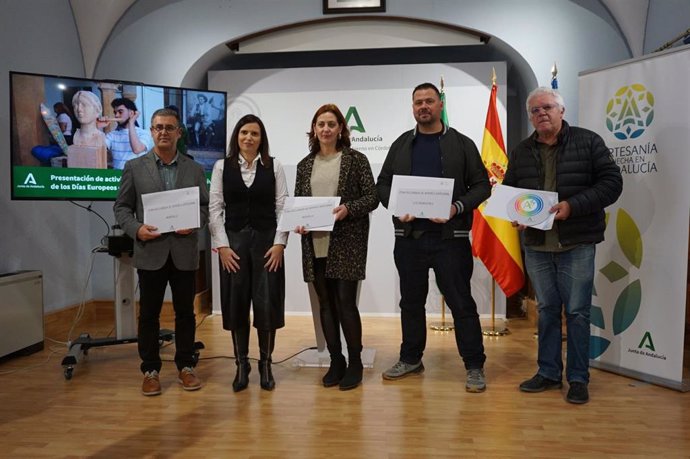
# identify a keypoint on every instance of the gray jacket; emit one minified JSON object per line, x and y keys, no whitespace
{"x":141,"y":176}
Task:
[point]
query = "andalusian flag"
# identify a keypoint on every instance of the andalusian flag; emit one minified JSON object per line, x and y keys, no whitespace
{"x":444,"y":112}
{"x":495,"y":241}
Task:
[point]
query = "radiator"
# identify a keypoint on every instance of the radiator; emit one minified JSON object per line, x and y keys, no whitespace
{"x":21,"y":313}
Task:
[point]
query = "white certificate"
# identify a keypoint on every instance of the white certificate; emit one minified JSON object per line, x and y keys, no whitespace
{"x":172,"y":210}
{"x":422,"y":197}
{"x":314,"y":213}
{"x":525,"y":206}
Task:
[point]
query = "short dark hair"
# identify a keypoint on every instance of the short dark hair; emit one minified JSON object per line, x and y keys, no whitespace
{"x":165,"y":112}
{"x":426,"y":86}
{"x":61,"y":107}
{"x":128,"y":103}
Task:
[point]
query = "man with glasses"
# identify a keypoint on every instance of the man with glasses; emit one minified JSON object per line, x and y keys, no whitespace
{"x":127,"y":141}
{"x":162,"y":258}
{"x":577,"y":164}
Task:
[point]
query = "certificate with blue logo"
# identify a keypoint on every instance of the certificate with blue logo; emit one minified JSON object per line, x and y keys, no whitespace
{"x":525,"y":206}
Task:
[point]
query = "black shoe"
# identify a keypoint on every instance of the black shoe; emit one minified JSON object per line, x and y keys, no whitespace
{"x":577,"y":393}
{"x":335,"y":372}
{"x":538,"y":383}
{"x":266,"y":375}
{"x":353,"y":376}
{"x":242,"y":376}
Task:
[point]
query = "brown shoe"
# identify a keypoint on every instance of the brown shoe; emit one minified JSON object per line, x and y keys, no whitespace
{"x":151,"y":385}
{"x":188,"y":379}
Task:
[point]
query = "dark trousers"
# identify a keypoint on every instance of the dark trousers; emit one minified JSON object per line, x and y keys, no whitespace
{"x":451,"y":260}
{"x":252,"y":286}
{"x":152,"y":285}
{"x":338,"y":307}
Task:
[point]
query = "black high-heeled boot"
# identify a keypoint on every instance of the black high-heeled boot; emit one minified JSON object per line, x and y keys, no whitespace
{"x":266,"y":345}
{"x":335,"y":372}
{"x":354,"y":372}
{"x":240,"y":344}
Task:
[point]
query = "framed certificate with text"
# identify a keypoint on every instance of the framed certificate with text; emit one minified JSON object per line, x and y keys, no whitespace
{"x":353,"y":6}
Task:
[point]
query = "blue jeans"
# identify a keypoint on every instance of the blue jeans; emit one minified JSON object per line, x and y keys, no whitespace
{"x":563,"y":278}
{"x":452,"y":262}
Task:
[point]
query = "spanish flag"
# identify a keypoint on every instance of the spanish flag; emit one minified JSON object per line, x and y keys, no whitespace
{"x":495,"y":241}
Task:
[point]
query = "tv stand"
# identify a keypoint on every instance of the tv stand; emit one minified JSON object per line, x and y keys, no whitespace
{"x":125,"y":318}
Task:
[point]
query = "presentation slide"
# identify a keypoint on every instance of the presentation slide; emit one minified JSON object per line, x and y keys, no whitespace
{"x":68,"y":142}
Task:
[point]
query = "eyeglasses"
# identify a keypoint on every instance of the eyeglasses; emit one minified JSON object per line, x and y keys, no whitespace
{"x":546,"y":108}
{"x":169,"y":128}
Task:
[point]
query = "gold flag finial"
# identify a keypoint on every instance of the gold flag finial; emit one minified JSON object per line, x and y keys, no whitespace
{"x":554,"y":70}
{"x":442,"y":84}
{"x":493,"y":76}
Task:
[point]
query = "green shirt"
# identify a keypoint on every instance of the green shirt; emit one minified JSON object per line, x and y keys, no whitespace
{"x":549,"y":158}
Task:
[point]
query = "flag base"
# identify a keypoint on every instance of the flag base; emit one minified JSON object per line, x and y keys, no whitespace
{"x":442,"y":326}
{"x":493,"y":331}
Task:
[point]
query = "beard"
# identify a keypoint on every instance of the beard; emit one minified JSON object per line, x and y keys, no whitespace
{"x":426,"y":121}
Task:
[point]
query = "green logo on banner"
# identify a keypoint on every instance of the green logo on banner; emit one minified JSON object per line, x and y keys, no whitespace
{"x":352,"y":113}
{"x":647,"y":342}
{"x":627,"y":304}
{"x":630,"y":111}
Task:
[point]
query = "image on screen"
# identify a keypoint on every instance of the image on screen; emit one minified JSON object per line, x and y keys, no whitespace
{"x":71,"y":137}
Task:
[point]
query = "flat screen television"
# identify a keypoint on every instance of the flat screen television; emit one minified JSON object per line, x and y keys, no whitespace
{"x":53,"y":160}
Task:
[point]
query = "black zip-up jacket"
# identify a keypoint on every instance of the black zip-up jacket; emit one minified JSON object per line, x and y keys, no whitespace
{"x":587,"y":178}
{"x":460,"y":160}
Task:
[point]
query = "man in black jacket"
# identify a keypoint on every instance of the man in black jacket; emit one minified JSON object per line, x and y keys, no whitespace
{"x":576,"y":163}
{"x":433,"y":149}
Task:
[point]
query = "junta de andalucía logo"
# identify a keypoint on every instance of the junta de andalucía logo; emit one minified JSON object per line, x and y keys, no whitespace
{"x":353,"y":121}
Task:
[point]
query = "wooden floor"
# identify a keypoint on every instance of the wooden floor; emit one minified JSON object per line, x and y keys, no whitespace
{"x":101,"y":413}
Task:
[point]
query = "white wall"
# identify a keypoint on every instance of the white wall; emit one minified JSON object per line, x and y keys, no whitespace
{"x":159,"y":42}
{"x":541,"y":31}
{"x":286,"y":100}
{"x":199,"y":26}
{"x":52,"y":237}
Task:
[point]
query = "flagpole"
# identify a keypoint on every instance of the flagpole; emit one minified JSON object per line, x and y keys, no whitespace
{"x":493,"y":331}
{"x":442,"y":325}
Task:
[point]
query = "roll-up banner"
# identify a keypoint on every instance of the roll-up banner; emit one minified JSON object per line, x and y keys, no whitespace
{"x":641,"y":108}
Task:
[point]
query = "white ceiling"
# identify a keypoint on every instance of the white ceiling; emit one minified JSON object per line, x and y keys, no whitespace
{"x":631,"y":16}
{"x":95,"y":21}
